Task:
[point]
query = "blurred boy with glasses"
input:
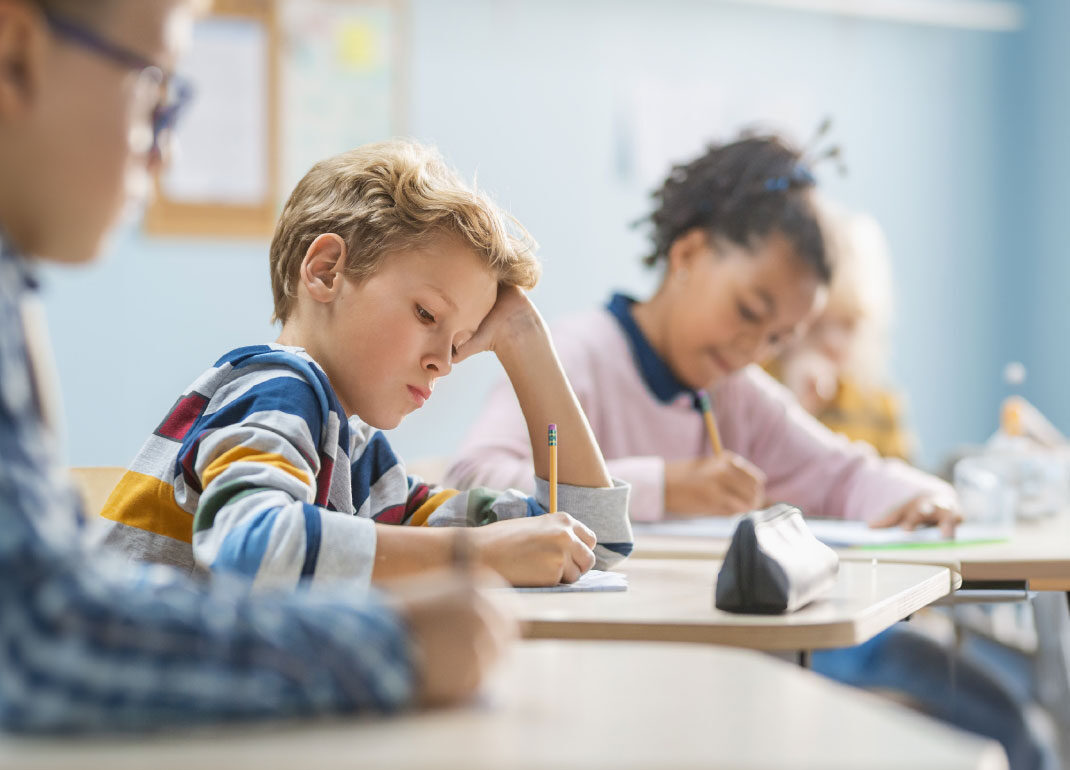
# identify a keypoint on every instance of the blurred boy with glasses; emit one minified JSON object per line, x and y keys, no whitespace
{"x":86,"y":98}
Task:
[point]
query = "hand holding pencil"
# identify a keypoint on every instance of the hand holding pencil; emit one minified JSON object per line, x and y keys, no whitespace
{"x":722,"y":484}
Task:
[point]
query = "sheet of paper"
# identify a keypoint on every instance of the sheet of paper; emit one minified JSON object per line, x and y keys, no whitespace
{"x":702,"y":526}
{"x":221,"y":146}
{"x":833,"y":532}
{"x":593,"y":580}
{"x":844,"y":534}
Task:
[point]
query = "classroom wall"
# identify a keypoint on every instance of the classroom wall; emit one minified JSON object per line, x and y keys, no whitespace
{"x":552,"y":103}
{"x":1034,"y":257}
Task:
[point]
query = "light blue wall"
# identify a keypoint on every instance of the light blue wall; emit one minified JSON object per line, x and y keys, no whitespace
{"x":529,"y":94}
{"x":1036,"y":255}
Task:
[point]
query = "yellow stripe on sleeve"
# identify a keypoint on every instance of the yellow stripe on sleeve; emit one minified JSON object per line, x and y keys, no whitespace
{"x":147,"y":503}
{"x":423,"y":513}
{"x":251,"y":455}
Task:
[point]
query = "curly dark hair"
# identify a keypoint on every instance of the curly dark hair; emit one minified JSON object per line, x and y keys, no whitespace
{"x":744,"y":192}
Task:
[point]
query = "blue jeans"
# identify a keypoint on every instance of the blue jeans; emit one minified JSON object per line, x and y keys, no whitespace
{"x":944,"y":684}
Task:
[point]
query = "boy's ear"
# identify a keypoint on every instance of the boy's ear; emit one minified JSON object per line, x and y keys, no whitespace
{"x":21,"y":49}
{"x":685,"y":249}
{"x":322,"y":267}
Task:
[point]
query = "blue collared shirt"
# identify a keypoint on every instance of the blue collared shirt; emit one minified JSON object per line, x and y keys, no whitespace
{"x":652,"y":367}
{"x":88,"y":643}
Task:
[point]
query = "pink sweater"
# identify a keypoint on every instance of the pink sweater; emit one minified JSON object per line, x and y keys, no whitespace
{"x":805,"y":463}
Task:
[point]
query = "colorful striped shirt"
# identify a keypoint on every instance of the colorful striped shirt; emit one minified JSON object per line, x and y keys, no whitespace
{"x":256,"y":470}
{"x":89,"y":643}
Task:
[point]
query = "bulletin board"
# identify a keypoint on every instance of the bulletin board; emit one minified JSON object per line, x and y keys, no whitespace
{"x":223,"y":177}
{"x":280,"y":85}
{"x":343,"y":78}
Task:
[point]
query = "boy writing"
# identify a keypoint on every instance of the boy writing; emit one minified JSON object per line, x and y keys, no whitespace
{"x":386,"y":270}
{"x":85,"y":643}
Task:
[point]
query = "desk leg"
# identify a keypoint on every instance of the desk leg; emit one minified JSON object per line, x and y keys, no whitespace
{"x":804,"y":658}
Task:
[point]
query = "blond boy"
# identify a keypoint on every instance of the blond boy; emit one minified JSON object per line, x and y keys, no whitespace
{"x":386,"y":271}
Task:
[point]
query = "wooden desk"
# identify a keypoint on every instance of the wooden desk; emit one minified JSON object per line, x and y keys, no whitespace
{"x":577,"y":706}
{"x":1038,"y":555}
{"x":672,"y":600}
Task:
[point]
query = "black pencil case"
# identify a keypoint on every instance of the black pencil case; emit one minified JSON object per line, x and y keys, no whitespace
{"x":774,"y":564}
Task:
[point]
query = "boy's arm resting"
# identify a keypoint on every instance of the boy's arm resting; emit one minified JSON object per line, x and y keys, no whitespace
{"x":496,"y":453}
{"x":517,"y":334}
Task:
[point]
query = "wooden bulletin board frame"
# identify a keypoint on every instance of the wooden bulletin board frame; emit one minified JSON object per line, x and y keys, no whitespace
{"x":166,"y":216}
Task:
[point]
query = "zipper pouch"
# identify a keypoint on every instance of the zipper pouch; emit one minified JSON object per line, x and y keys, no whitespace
{"x":774,"y":564}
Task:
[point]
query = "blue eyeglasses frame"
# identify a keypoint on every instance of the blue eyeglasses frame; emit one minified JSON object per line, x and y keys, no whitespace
{"x":178,"y":90}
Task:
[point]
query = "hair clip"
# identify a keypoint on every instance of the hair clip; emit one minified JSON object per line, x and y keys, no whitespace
{"x":800,"y":176}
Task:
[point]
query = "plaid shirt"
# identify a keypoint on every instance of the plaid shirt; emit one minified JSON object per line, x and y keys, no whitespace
{"x":87,"y":643}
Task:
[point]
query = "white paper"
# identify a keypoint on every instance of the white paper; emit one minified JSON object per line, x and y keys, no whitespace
{"x":840,"y":533}
{"x":834,"y":532}
{"x":701,"y":526}
{"x":220,"y":143}
{"x":593,"y":580}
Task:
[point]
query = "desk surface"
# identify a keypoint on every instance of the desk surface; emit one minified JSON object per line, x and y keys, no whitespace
{"x":1039,"y":552}
{"x":582,"y":705}
{"x":672,"y":600}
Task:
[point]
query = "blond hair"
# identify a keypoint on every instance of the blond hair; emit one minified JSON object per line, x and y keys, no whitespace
{"x":861,"y":286}
{"x":386,"y":197}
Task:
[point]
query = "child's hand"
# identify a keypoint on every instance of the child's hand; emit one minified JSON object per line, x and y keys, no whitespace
{"x":458,"y":630}
{"x":721,"y":485}
{"x":512,"y":320}
{"x":538,"y":550}
{"x":924,"y":510}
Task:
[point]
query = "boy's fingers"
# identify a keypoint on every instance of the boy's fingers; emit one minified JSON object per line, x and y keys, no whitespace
{"x":583,"y":555}
{"x":571,"y":572}
{"x":475,"y":344}
{"x":578,"y":560}
{"x":584,"y":533}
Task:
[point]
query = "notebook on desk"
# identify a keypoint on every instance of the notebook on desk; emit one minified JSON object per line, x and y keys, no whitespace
{"x":593,"y":580}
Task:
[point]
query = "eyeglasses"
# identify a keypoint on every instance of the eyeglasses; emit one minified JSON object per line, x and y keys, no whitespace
{"x":171,"y":92}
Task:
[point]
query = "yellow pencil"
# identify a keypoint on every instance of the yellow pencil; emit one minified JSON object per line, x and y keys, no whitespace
{"x":711,"y":424}
{"x":551,"y":439}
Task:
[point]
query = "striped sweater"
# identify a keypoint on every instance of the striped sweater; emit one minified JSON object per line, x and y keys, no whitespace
{"x":255,"y":470}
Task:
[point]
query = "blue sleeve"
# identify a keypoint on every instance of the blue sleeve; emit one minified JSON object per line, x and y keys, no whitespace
{"x":88,"y":645}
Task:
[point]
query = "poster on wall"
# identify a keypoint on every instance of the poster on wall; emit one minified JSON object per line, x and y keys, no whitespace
{"x":341,"y":78}
{"x":221,"y":176}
